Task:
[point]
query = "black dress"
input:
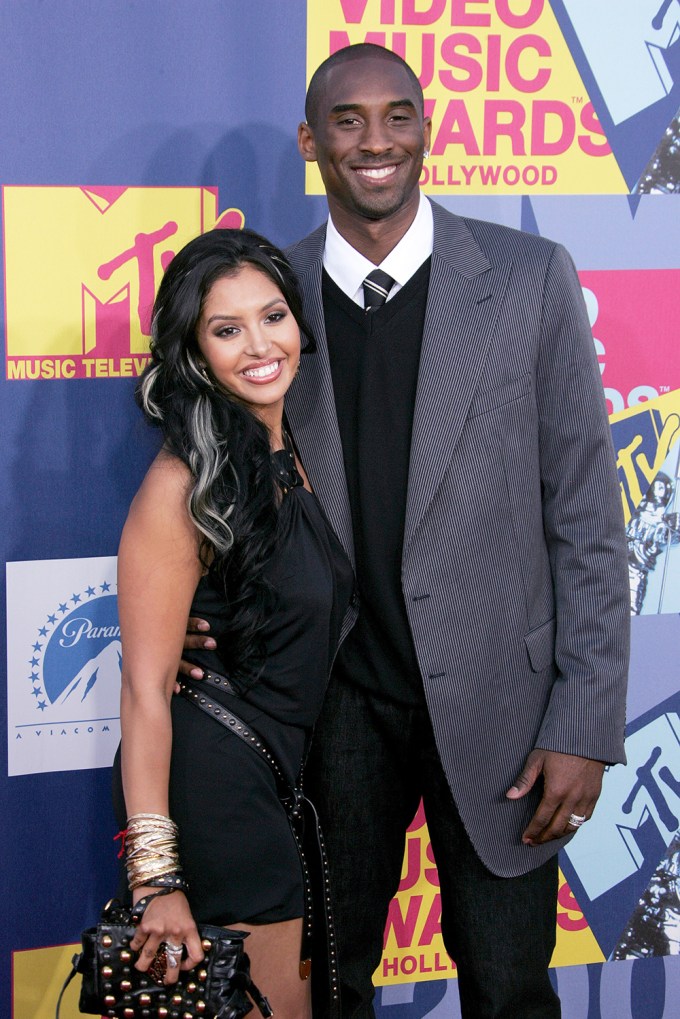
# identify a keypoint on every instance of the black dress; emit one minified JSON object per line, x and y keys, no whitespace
{"x":235,"y":843}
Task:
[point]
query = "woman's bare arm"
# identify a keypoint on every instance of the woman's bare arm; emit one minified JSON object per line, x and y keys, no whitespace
{"x":158,"y":571}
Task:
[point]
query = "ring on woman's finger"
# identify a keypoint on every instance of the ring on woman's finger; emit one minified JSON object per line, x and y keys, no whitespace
{"x":173,"y":954}
{"x":576,"y":820}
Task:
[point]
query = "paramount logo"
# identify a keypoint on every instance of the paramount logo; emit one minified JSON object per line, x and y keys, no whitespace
{"x":64,"y":664}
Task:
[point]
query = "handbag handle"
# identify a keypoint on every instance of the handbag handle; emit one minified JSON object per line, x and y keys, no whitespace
{"x":75,"y":962}
{"x":135,"y":915}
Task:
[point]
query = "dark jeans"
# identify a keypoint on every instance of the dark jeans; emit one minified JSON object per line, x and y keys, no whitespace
{"x":371,"y":762}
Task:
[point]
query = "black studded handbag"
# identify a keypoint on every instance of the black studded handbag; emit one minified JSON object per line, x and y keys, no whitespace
{"x":220,"y":987}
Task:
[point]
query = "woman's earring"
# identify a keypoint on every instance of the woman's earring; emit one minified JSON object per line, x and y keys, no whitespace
{"x":204,"y":372}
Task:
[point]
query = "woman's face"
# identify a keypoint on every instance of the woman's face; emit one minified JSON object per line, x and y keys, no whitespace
{"x":250,"y":341}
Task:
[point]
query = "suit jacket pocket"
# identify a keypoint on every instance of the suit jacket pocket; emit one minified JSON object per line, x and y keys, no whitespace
{"x":499,"y":396}
{"x":540,"y":644}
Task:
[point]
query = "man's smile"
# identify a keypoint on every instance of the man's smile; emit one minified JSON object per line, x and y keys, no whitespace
{"x":379,"y":173}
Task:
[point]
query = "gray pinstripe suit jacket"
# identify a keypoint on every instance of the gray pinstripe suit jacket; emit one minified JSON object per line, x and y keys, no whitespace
{"x":514,"y":563}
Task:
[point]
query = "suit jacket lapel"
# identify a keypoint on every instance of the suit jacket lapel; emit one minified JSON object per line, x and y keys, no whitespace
{"x":463,"y":300}
{"x":310,"y":402}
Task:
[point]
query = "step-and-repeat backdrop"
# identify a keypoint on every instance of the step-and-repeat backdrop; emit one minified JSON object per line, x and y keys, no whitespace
{"x":128,"y":128}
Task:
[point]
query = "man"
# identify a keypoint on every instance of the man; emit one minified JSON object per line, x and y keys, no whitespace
{"x":457,"y":438}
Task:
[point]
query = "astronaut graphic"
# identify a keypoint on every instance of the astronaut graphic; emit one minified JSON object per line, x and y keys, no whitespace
{"x":650,"y":531}
{"x":654,"y":927}
{"x":661,"y":175}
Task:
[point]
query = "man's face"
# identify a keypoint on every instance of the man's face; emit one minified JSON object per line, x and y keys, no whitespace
{"x":368,"y":140}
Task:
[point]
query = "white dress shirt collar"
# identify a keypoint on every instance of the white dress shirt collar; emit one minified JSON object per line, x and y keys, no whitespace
{"x":348,"y":268}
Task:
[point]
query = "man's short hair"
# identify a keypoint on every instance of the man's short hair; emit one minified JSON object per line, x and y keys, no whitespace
{"x":360,"y":51}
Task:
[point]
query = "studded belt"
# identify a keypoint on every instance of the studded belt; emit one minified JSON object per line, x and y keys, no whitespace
{"x":318,"y":926}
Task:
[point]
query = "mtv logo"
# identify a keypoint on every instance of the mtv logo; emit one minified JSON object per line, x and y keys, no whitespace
{"x":625,"y":42}
{"x":82,"y":265}
{"x":606,"y":851}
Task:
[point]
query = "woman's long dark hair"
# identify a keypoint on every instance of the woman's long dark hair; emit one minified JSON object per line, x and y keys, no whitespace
{"x":233,"y":499}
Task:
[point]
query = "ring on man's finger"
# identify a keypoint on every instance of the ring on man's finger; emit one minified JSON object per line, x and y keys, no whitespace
{"x":576,"y":820}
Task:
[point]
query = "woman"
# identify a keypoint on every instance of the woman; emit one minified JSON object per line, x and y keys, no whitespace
{"x":224,"y":526}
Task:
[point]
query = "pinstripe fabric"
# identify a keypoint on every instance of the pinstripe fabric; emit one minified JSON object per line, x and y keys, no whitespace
{"x":514,"y":563}
{"x":310,"y":403}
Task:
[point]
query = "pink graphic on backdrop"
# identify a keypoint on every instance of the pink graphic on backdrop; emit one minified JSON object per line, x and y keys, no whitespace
{"x":142,"y":251}
{"x":111,"y":323}
{"x":634,"y":315}
{"x":105,"y":196}
{"x":230,"y":219}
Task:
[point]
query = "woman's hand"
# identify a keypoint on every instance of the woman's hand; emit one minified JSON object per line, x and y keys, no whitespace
{"x":166,"y":921}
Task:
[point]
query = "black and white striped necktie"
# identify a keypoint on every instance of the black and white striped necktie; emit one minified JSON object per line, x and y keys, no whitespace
{"x":377,"y":286}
